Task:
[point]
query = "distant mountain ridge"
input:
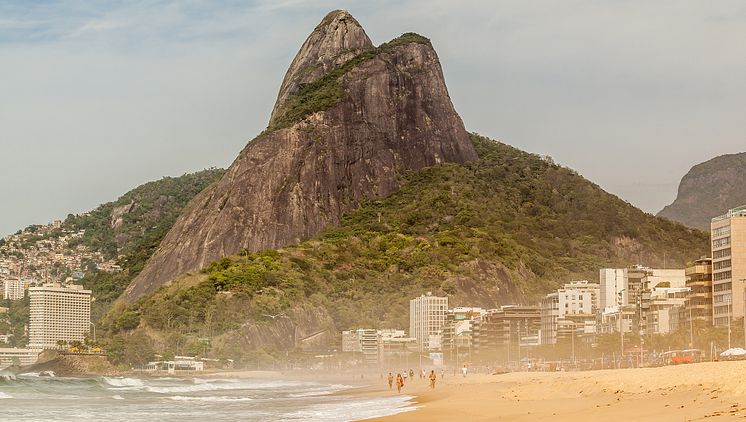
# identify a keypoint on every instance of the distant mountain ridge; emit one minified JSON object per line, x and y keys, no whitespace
{"x":709,"y":189}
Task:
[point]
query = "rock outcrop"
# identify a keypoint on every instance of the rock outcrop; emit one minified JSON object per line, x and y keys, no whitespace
{"x":709,"y":189}
{"x":349,"y":120}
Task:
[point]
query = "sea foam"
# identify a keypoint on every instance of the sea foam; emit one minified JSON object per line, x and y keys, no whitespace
{"x":123,"y":382}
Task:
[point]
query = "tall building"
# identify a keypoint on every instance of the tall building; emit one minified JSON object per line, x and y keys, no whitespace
{"x":503,"y":333}
{"x":12,"y":289}
{"x":728,"y":233}
{"x":58,"y":313}
{"x":378,"y":346}
{"x":699,"y":282}
{"x":628,"y":284}
{"x":613,"y":282}
{"x":572,"y":309}
{"x":458,"y":331}
{"x":427,"y":314}
{"x":549,"y":314}
{"x":660,"y":308}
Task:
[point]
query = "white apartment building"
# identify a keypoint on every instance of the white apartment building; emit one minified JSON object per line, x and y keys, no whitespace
{"x":427,"y":314}
{"x":613,"y":281}
{"x":728,"y":233}
{"x":578,"y":297}
{"x":630,"y":282}
{"x":12,"y":289}
{"x":659,"y":305}
{"x":574,"y":306}
{"x":58,"y":313}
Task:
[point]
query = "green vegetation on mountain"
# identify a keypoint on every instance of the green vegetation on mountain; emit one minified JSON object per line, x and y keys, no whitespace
{"x":14,"y":320}
{"x":327,"y":90}
{"x":145,"y":213}
{"x":503,"y":229}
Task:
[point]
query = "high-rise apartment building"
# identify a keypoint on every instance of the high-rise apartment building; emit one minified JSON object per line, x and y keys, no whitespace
{"x":626,"y":285}
{"x":699,"y":299}
{"x":427,"y":314}
{"x":573,"y":308}
{"x":502,"y":333}
{"x":11,"y":289}
{"x":58,"y":313}
{"x":613,"y":283}
{"x":728,"y":233}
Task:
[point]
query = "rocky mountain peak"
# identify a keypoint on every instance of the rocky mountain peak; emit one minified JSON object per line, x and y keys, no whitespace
{"x":338,"y":38}
{"x":709,"y":189}
{"x":350,"y":120}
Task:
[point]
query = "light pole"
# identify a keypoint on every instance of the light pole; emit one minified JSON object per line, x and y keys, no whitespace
{"x":743,"y":280}
{"x":573,"y":343}
{"x":730,"y":314}
{"x":691,"y":328}
{"x":620,"y":296}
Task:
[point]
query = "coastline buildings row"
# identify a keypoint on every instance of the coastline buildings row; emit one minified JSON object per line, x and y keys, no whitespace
{"x":637,"y":299}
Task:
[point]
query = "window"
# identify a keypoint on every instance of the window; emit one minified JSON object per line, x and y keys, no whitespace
{"x":720,"y":231}
{"x":721,"y":276}
{"x":721,"y":264}
{"x":721,"y":287}
{"x":724,"y":298}
{"x":721,"y":253}
{"x":719,"y":243}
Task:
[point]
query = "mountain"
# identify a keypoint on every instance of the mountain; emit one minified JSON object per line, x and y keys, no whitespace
{"x":505,"y":228}
{"x":365,"y":191}
{"x":709,"y":189}
{"x":129,"y":229}
{"x":350,"y":120}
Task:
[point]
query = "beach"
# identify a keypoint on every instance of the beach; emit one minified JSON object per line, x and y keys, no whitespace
{"x":693,"y":392}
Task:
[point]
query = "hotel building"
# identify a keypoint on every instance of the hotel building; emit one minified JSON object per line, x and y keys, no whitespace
{"x":58,"y":313}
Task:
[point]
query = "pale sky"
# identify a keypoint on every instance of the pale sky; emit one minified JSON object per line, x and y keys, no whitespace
{"x":95,"y":100}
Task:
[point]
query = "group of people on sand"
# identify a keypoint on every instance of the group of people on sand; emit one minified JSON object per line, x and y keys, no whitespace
{"x":399,"y":379}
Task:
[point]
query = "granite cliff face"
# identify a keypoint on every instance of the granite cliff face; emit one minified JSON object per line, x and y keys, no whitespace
{"x":709,"y":189}
{"x":349,"y":120}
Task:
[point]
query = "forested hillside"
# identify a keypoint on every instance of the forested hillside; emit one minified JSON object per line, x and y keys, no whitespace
{"x":130,"y":228}
{"x":503,"y":229}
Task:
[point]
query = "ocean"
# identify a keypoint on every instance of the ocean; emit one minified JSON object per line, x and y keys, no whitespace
{"x":34,"y":398}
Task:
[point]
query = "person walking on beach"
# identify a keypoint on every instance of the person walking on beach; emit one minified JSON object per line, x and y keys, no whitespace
{"x":464,"y":370}
{"x":432,"y":379}
{"x":411,"y":374}
{"x":391,"y":381}
{"x":442,"y":374}
{"x":399,"y":383}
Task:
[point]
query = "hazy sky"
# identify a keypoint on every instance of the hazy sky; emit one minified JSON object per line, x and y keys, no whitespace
{"x":95,"y":100}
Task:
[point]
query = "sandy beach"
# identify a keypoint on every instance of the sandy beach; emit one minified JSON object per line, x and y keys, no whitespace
{"x":712,"y":390}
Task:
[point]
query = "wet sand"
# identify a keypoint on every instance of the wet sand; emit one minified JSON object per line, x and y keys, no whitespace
{"x":695,"y":392}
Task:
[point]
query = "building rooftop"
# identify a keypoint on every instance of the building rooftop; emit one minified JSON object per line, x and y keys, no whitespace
{"x":733,"y":212}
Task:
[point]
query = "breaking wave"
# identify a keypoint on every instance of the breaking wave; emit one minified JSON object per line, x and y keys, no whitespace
{"x":210,"y":398}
